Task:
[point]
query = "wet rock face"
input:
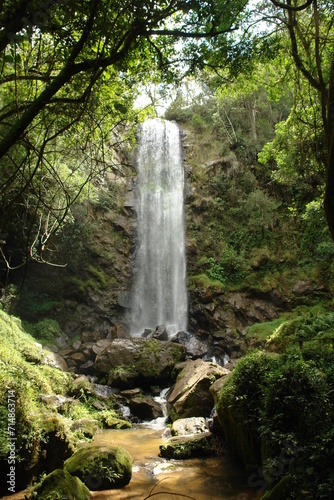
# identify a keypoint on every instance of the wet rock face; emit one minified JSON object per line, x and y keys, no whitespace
{"x":190,"y":396}
{"x":214,"y":311}
{"x":139,"y":362}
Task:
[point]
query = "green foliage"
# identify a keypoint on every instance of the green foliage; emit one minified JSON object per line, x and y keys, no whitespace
{"x":263,"y":330}
{"x":47,"y":329}
{"x":20,"y":373}
{"x":216,"y":271}
{"x":286,"y":402}
{"x":308,"y":327}
{"x":34,"y":303}
{"x":316,"y":241}
{"x":231,"y":268}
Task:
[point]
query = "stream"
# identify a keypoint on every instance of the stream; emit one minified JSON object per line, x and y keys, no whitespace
{"x":205,"y":478}
{"x":216,"y":477}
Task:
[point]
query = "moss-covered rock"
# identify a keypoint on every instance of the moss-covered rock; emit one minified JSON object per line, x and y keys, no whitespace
{"x":181,"y":447}
{"x":284,"y":489}
{"x":101,"y":467}
{"x":60,"y":484}
{"x":139,"y":362}
{"x":110,"y":421}
{"x":87,"y":426}
{"x":24,"y":380}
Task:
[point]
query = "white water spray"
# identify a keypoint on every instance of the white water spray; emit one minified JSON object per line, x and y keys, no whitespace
{"x":159,"y":295}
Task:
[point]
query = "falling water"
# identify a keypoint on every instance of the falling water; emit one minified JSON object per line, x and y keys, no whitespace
{"x":159,"y":295}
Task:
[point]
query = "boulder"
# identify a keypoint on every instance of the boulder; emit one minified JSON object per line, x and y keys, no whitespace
{"x":139,"y":362}
{"x":181,"y":447}
{"x":57,"y":401}
{"x":119,"y":332}
{"x":186,"y":426}
{"x":78,"y":357}
{"x":145,"y":408}
{"x":60,"y":484}
{"x":101,"y":345}
{"x":197,"y":345}
{"x":160,"y":333}
{"x":54,"y":360}
{"x":190,"y":396}
{"x":101,"y":467}
{"x":87,"y":426}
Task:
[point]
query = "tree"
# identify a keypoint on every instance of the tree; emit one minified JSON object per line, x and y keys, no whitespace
{"x":309,"y":24}
{"x":68,"y":72}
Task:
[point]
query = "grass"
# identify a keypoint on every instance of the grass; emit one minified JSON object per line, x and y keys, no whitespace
{"x":262,"y":331}
{"x":204,"y":281}
{"x":22,"y":371}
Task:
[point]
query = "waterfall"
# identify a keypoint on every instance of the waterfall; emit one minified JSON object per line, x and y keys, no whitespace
{"x":159,"y":294}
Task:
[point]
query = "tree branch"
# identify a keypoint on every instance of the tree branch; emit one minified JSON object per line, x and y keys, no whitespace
{"x":13,"y":77}
{"x":295,"y":54}
{"x":292,"y":8}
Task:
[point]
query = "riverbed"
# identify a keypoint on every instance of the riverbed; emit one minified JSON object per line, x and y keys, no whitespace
{"x":207,"y":478}
{"x":214,"y":477}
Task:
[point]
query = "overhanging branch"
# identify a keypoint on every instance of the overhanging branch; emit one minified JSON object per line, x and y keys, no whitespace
{"x":292,"y":8}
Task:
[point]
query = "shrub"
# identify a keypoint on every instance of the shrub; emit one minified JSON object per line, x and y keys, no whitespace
{"x":47,"y":329}
{"x":287,"y":403}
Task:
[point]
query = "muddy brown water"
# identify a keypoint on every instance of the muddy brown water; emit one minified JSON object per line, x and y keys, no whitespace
{"x":209,"y":478}
{"x":200,"y":478}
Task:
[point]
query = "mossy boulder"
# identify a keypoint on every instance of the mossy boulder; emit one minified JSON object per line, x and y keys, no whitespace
{"x":139,"y":362}
{"x":283,"y":489}
{"x":60,"y":484}
{"x":101,"y":467}
{"x":181,"y":447}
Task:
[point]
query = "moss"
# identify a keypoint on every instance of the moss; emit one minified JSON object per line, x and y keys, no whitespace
{"x":286,"y":488}
{"x":101,"y":467}
{"x":202,"y":280}
{"x":60,"y":484}
{"x":98,"y":273}
{"x":21,"y":373}
{"x":87,"y":426}
{"x":183,"y":447}
{"x":122,"y":374}
{"x":110,"y":420}
{"x":43,"y":411}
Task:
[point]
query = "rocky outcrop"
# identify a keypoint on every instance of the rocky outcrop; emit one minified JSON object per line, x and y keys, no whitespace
{"x":139,"y":362}
{"x":213,"y":310}
{"x":101,"y":467}
{"x":190,"y":396}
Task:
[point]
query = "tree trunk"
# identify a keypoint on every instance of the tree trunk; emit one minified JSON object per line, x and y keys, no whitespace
{"x":329,"y":190}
